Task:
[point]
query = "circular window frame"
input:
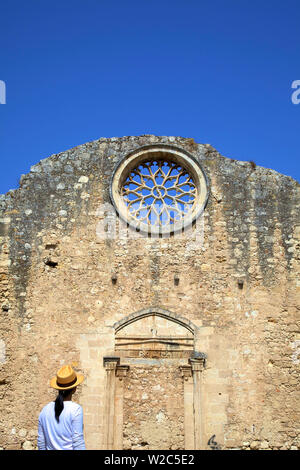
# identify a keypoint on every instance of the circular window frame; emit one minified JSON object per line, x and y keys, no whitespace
{"x":158,"y":152}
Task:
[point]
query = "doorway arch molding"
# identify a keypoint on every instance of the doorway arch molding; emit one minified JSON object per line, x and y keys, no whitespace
{"x":158,"y":311}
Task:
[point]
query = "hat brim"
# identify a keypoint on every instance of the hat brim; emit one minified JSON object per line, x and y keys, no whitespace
{"x":79,"y":380}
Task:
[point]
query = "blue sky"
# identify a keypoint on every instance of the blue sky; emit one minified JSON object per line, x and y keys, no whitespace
{"x":218,"y":71}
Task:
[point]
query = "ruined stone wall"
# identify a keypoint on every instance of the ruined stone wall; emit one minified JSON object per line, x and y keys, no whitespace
{"x":238,"y":284}
{"x":154,"y":408}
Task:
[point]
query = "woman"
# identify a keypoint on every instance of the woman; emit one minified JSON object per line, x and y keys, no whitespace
{"x":61,"y":422}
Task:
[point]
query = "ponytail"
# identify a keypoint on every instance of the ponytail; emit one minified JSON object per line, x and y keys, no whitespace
{"x":59,"y":403}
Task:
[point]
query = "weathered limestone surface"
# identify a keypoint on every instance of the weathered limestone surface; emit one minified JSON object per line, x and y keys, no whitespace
{"x":154,"y":408}
{"x":238,"y":285}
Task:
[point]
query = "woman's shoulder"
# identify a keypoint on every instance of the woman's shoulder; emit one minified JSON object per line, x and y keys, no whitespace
{"x":47,"y":407}
{"x":72,"y":405}
{"x":73,"y":409}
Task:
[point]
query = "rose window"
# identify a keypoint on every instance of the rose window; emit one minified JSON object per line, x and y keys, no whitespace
{"x":159,"y":189}
{"x":159,"y":193}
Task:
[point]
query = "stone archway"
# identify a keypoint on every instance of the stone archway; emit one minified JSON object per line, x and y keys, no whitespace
{"x":153,"y":384}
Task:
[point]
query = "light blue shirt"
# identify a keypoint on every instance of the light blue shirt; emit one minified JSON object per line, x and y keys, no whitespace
{"x":67,"y":434}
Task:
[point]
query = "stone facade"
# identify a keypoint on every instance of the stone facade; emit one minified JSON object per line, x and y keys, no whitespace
{"x":186,"y":341}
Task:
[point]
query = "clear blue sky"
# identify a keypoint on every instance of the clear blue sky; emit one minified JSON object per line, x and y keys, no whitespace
{"x":219,"y":71}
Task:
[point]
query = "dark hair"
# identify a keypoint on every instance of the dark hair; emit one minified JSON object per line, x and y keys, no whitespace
{"x":59,"y":402}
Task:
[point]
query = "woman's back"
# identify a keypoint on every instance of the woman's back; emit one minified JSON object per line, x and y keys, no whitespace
{"x":67,"y":433}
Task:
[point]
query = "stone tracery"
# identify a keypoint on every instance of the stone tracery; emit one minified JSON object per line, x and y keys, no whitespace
{"x":159,"y":189}
{"x":159,"y":192}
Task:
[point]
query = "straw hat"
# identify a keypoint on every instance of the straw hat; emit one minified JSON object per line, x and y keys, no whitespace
{"x":66,"y":378}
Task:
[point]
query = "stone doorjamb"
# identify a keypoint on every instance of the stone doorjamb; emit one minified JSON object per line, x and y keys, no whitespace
{"x":193,"y":411}
{"x":113,"y":406}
